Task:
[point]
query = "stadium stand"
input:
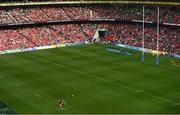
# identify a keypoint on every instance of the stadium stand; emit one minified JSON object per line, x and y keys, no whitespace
{"x":168,"y":14}
{"x":129,"y":34}
{"x":12,"y":1}
{"x":2,"y":1}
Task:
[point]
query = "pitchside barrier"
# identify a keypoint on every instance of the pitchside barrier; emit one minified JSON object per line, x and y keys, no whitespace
{"x":31,"y":49}
{"x":154,"y":52}
{"x":120,"y":51}
{"x":40,"y":48}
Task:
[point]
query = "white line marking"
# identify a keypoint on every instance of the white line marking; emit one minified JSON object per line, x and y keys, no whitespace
{"x":109,"y":81}
{"x":136,"y":90}
{"x":140,"y":91}
{"x":17,"y":84}
{"x":37,"y":95}
{"x":177,"y":104}
{"x":65,"y":109}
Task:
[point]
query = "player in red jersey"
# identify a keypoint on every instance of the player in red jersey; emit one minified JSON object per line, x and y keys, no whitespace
{"x":61,"y":103}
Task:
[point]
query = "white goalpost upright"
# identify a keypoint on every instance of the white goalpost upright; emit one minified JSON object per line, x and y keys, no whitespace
{"x":157,"y":42}
{"x":142,"y":57}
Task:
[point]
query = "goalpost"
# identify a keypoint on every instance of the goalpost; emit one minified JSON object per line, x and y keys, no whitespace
{"x":142,"y":57}
{"x":157,"y":39}
{"x":157,"y":48}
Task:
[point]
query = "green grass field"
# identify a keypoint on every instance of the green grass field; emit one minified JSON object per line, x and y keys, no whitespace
{"x":90,"y":79}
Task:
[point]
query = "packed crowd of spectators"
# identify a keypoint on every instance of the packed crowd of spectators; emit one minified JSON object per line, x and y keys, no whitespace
{"x":5,"y":1}
{"x":23,"y":1}
{"x":168,"y":14}
{"x":130,"y":34}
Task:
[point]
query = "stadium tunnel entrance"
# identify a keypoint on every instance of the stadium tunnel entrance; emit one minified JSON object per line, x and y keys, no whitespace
{"x":99,"y":35}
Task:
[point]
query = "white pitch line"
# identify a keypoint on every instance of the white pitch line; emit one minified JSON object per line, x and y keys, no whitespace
{"x":136,"y":90}
{"x":177,"y":104}
{"x":109,"y":81}
{"x":140,"y":91}
{"x":17,"y":84}
{"x":37,"y":95}
{"x":65,"y":109}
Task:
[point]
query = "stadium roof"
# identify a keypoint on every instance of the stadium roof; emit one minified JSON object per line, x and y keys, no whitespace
{"x":91,"y":2}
